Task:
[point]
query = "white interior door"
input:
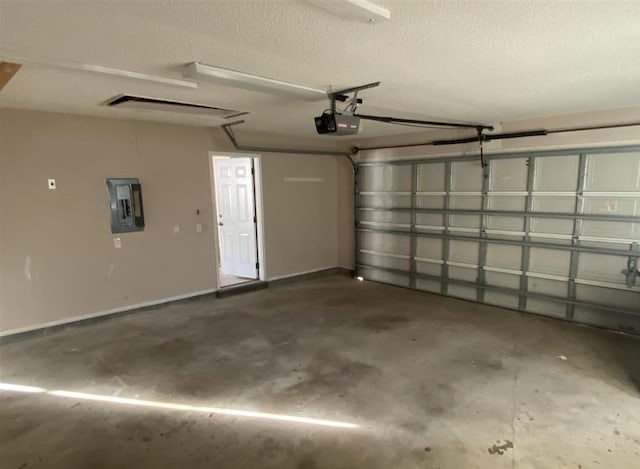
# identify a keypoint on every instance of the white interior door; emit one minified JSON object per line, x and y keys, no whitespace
{"x":236,"y":216}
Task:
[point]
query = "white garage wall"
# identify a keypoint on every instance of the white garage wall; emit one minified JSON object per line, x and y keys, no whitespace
{"x":57,"y":256}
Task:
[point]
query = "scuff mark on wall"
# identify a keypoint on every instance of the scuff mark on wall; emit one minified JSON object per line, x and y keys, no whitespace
{"x":303,"y":179}
{"x":27,"y":268}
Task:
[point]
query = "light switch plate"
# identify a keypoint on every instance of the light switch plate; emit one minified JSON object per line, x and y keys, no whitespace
{"x":52,"y":184}
{"x":117,"y":243}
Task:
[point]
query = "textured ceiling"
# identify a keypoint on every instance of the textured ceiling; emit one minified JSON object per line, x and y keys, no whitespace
{"x":472,"y":61}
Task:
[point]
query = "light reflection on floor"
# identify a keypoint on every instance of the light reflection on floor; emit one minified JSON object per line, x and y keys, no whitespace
{"x":10,"y":387}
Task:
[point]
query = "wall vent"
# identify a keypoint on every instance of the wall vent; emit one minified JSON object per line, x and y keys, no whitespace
{"x":155,"y":104}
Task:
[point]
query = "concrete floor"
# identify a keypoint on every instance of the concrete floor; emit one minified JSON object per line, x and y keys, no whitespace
{"x":430,"y":382}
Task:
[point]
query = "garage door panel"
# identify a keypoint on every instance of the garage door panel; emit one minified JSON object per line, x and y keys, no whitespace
{"x":466,"y":176}
{"x":550,"y":238}
{"x":468,"y":274}
{"x":613,"y":172}
{"x":612,"y":205}
{"x":512,"y":236}
{"x":603,"y":243}
{"x":505,"y":223}
{"x":555,"y":309}
{"x":511,"y":203}
{"x":385,"y":178}
{"x":509,"y":175}
{"x":602,"y":268}
{"x":467,"y":293}
{"x":552,"y":226}
{"x":550,"y":287}
{"x":384,"y":217}
{"x":429,"y":220}
{"x":428,"y":285}
{"x":608,"y":319}
{"x":499,"y":279}
{"x":556,"y":174}
{"x":465,"y":221}
{"x":430,"y":201}
{"x":466,"y":202}
{"x":549,"y":261}
{"x":614,"y":230}
{"x":506,"y":300}
{"x":428,"y":268}
{"x":385,"y":277}
{"x":388,"y":243}
{"x":429,"y":248}
{"x":578,"y":276}
{"x":507,"y":257}
{"x":464,"y":251}
{"x":431,"y":177}
{"x":623,"y":299}
{"x":384,"y":201}
{"x":388,"y":262}
{"x":556,"y":204}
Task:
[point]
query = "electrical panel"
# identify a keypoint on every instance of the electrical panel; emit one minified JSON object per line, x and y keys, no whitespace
{"x":125,"y":204}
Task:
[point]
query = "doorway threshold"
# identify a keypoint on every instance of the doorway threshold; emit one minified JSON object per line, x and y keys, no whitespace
{"x":239,"y":288}
{"x":229,"y":280}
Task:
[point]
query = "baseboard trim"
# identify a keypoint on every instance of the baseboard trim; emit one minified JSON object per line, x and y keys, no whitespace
{"x":12,"y":335}
{"x":299,"y":274}
{"x":310,"y":275}
{"x":48,"y":327}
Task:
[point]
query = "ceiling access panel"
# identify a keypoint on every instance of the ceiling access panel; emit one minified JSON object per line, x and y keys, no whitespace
{"x":555,"y":233}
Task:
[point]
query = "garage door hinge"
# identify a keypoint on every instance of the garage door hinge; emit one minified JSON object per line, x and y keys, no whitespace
{"x":632,"y":269}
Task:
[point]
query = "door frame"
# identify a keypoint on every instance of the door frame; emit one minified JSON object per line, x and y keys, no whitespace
{"x":259,"y":207}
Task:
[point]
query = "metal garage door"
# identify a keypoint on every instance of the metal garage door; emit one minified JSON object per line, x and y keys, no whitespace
{"x":554,"y":233}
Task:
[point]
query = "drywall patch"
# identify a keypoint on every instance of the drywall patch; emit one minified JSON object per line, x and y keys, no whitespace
{"x":27,"y":268}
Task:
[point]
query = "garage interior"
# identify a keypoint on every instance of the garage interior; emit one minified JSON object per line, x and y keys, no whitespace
{"x":319,"y":234}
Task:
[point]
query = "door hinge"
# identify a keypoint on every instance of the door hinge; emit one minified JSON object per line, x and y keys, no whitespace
{"x":253,"y":171}
{"x":257,"y":265}
{"x":255,"y":219}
